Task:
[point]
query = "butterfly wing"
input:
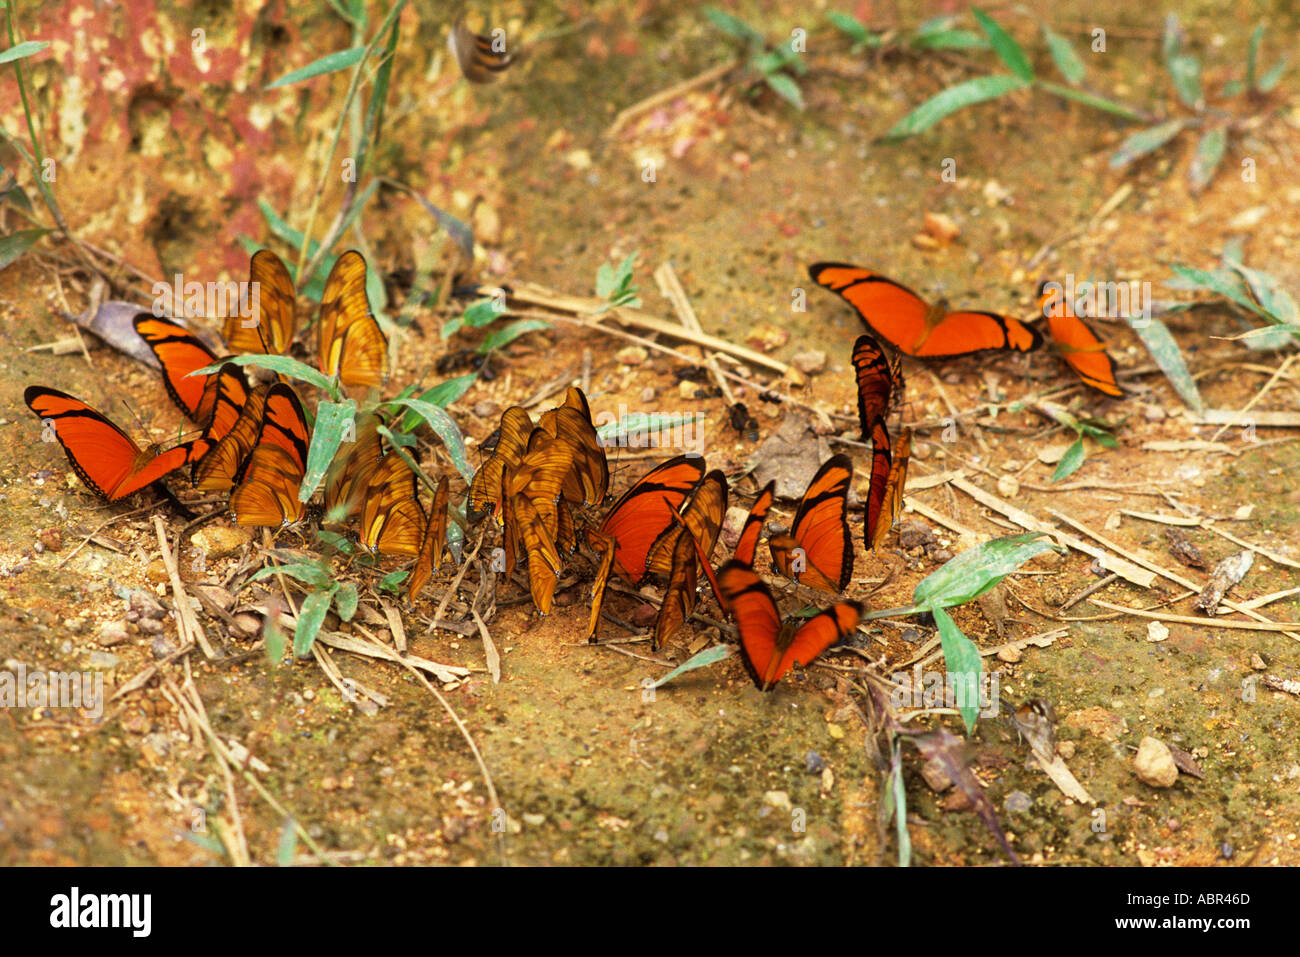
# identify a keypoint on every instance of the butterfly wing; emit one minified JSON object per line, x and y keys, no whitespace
{"x":757,"y":619}
{"x":435,"y":540}
{"x":284,"y":424}
{"x":392,"y":521}
{"x":646,"y":509}
{"x":222,"y":467}
{"x":889,"y":308}
{"x":747,"y":544}
{"x":543,"y":558}
{"x":820,"y":534}
{"x":485,"y":489}
{"x":273,"y":320}
{"x":964,"y":332}
{"x":814,"y":636}
{"x":703,"y":515}
{"x":352,"y":346}
{"x":268,"y":494}
{"x":679,"y":598}
{"x":603,"y":545}
{"x":1080,"y":348}
{"x":101,"y":454}
{"x":888,"y":481}
{"x":350,"y":475}
{"x":876,"y":381}
{"x":180,"y":352}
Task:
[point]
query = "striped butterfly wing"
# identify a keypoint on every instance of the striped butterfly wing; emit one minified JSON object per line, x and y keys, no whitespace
{"x":485,"y":489}
{"x":1078,"y":346}
{"x":646,"y":510}
{"x":680,"y":596}
{"x":220,"y":470}
{"x":273,"y":318}
{"x":352,"y":346}
{"x":180,"y":352}
{"x":433,"y":543}
{"x":818,"y":552}
{"x":703,"y":516}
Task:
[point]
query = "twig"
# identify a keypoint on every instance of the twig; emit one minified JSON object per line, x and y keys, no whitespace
{"x":1091,"y":589}
{"x":1281,"y":370}
{"x":1265,"y":625}
{"x":460,"y":575}
{"x":672,"y":290}
{"x":187,"y":622}
{"x":668,"y":95}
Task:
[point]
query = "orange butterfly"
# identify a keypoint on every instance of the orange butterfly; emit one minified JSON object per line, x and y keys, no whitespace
{"x":879,"y":381}
{"x":646,"y":510}
{"x":603,"y":545}
{"x":770,"y":647}
{"x":392,"y":520}
{"x":914,"y":326}
{"x":271,"y":327}
{"x":349,"y":475}
{"x":433,"y":543}
{"x":750,"y":532}
{"x":101,"y":454}
{"x":544,"y":564}
{"x":680,"y":597}
{"x":352,"y":346}
{"x":888,"y":478}
{"x":222,"y":467}
{"x":1076,"y":343}
{"x":181,"y":352}
{"x":485,"y":489}
{"x":702,"y":516}
{"x":268,"y":492}
{"x":818,"y":551}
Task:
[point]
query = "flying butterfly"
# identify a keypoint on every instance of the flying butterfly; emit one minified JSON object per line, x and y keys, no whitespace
{"x":102,"y":455}
{"x":916,"y":327}
{"x":769,"y":646}
{"x":268,"y":490}
{"x":818,"y":551}
{"x":1078,"y":346}
{"x":352,"y":346}
{"x":481,"y":58}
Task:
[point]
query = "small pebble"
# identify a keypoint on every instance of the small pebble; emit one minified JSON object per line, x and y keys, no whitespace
{"x":814,"y":762}
{"x":485,"y":409}
{"x":811,"y":362}
{"x":648,"y":394}
{"x":631,"y":355}
{"x":112,"y":633}
{"x":1154,"y":763}
{"x":1018,"y":802}
{"x":161,"y":647}
{"x":103,"y":659}
{"x":150,"y":626}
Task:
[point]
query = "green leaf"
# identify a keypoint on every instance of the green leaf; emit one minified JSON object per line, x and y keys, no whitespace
{"x":24,"y":49}
{"x":482,"y":313}
{"x":786,"y":88}
{"x":1146,"y":141}
{"x":509,"y":333}
{"x":1070,"y":461}
{"x":733,"y":26}
{"x":273,"y":640}
{"x":316,"y":574}
{"x":1209,"y":154}
{"x":962,"y":661}
{"x":1222,"y":282}
{"x":345,"y":600}
{"x":977,"y":569}
{"x":1252,"y":55}
{"x":334,"y":420}
{"x":939,"y":33}
{"x":951,"y":100}
{"x":854,"y":29}
{"x":288,"y":844}
{"x":1091,"y":99}
{"x":1184,"y":69}
{"x":701,"y":659}
{"x":445,"y":427}
{"x":285,"y":365}
{"x":1164,"y":350}
{"x":893,"y":802}
{"x":311,"y":615}
{"x":17,"y":243}
{"x":442,"y":395}
{"x":375,"y":108}
{"x":1063,"y":55}
{"x":1004,"y":46}
{"x":392,"y":582}
{"x":1271,"y":78}
{"x":326,"y":64}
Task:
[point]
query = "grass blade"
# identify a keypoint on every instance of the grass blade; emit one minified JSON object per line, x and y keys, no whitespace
{"x":1209,"y":154}
{"x":703,"y":659}
{"x":1070,"y":461}
{"x":509,"y":333}
{"x":1063,"y":55}
{"x":1146,"y":141}
{"x":17,"y":243}
{"x":1093,"y":100}
{"x":964,"y":666}
{"x":1005,"y":46}
{"x":331,"y":63}
{"x":951,"y":100}
{"x":311,"y":615}
{"x":23,"y":50}
{"x":977,"y":569}
{"x":334,"y":420}
{"x":445,"y":427}
{"x":1164,"y":350}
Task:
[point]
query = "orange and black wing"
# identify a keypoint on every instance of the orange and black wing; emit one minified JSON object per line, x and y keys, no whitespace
{"x":888,"y":480}
{"x":284,"y":424}
{"x":747,"y":544}
{"x":435,"y":540}
{"x":878,"y":381}
{"x":512,"y":442}
{"x":221,"y":469}
{"x":912,"y":325}
{"x":273,"y":320}
{"x":757,"y":618}
{"x":703,"y":515}
{"x":603,"y":545}
{"x":646,"y":509}
{"x":181,"y":352}
{"x":819,"y":549}
{"x":588,"y":481}
{"x":818,"y":633}
{"x":101,"y":454}
{"x":349,"y":476}
{"x":352,"y":346}
{"x":679,"y":598}
{"x":230,"y":396}
{"x":392,"y":520}
{"x":481,"y":58}
{"x":268,"y":494}
{"x":1080,"y":347}
{"x":544,"y":563}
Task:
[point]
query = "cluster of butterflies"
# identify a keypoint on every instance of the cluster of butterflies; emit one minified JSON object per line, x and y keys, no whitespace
{"x":924,"y":330}
{"x":541,"y":482}
{"x":255,"y":437}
